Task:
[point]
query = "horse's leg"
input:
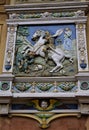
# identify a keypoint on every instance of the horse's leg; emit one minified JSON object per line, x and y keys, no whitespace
{"x":57,"y":68}
{"x":70,"y":58}
{"x":58,"y":64}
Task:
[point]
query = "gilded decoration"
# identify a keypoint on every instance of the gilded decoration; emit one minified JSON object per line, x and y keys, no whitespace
{"x":34,"y":87}
{"x":45,"y":119}
{"x":44,"y":105}
{"x":45,"y":110}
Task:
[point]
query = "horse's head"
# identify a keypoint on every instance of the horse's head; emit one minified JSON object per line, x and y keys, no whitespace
{"x":38,"y":34}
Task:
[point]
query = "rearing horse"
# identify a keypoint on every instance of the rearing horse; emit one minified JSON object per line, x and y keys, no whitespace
{"x":57,"y":55}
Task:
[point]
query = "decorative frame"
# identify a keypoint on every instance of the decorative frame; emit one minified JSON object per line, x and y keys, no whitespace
{"x":19,"y":22}
{"x":44,"y":93}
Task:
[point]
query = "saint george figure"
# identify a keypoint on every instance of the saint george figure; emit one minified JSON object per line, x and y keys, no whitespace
{"x":67,"y":39}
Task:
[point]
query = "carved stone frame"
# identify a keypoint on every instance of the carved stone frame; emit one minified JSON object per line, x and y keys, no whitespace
{"x":82,"y":92}
{"x":78,"y":18}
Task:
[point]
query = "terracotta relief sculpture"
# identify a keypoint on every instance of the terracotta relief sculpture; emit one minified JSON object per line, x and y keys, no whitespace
{"x":39,"y":50}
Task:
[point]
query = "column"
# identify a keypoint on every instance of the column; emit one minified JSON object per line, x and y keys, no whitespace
{"x":10,"y":49}
{"x":81,"y":47}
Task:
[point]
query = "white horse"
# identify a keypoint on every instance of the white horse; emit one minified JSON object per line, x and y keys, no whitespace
{"x":57,"y":55}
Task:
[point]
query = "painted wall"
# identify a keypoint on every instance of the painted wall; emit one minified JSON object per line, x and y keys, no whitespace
{"x":3,"y":17}
{"x":67,"y":123}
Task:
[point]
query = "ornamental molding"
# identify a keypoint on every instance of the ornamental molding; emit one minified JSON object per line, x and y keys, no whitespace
{"x":78,"y":13}
{"x":34,"y":21}
{"x":44,"y":122}
{"x":41,"y":6}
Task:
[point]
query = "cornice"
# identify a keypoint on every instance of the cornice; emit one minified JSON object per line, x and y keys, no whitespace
{"x":6,"y":77}
{"x":35,"y":21}
{"x":60,"y":6}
